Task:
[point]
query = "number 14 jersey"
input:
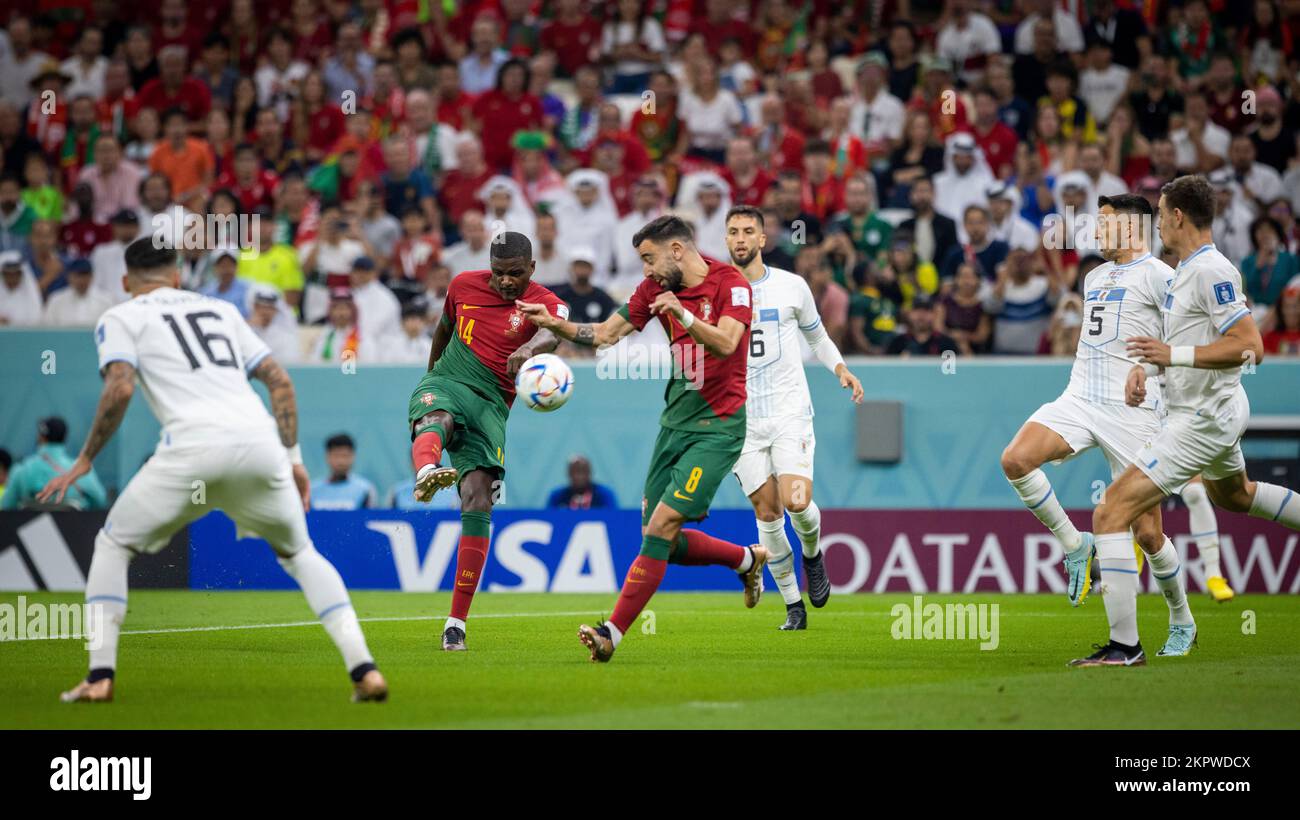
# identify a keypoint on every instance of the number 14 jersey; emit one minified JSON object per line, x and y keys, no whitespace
{"x":192,"y":356}
{"x":1120,"y":301}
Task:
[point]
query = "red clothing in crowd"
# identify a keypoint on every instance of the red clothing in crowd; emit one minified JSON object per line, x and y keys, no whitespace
{"x":259,"y":193}
{"x":751,"y":194}
{"x":500,"y":117}
{"x":192,"y":97}
{"x":572,"y":42}
{"x":999,"y":147}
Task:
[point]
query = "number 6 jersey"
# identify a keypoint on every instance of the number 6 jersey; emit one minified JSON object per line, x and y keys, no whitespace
{"x":1120,"y":301}
{"x":192,"y":355}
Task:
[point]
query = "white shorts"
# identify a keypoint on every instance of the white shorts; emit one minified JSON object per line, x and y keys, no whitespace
{"x":775,"y":446}
{"x":252,"y":483}
{"x":1197,"y":443}
{"x":1119,"y":430}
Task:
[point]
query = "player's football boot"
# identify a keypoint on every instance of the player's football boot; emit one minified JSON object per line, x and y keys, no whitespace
{"x":1218,"y":588}
{"x":453,"y":639}
{"x":1182,"y":637}
{"x":1078,"y":566}
{"x":371,"y":687}
{"x":796,"y":617}
{"x":598,"y":640}
{"x":431,"y":479}
{"x":1112,"y":654}
{"x":819,"y":586}
{"x":101,"y":691}
{"x":753,"y":577}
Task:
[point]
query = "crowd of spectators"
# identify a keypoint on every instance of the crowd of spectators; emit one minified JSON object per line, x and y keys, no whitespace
{"x":910,"y":157}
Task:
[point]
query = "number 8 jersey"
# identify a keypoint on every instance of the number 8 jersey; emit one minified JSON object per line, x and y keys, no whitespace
{"x":192,"y":355}
{"x":1120,"y":301}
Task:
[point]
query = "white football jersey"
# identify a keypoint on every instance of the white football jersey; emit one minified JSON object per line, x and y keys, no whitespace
{"x":783,"y":307}
{"x":1120,"y":301}
{"x":1203,"y":301}
{"x":192,"y":356}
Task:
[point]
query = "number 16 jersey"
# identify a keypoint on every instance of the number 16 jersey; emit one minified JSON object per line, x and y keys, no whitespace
{"x":192,"y":355}
{"x":1120,"y":301}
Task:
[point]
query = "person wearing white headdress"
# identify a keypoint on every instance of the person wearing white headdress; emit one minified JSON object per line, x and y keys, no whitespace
{"x":1005,"y":221}
{"x":964,"y":177}
{"x":505,"y":207}
{"x":1232,"y":217}
{"x":647,"y":204}
{"x":588,"y":217}
{"x":20,"y":296}
{"x":704,"y":198}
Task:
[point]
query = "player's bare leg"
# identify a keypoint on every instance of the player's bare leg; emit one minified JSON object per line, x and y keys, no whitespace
{"x":1167,"y":570}
{"x":1271,"y":502}
{"x":1033,"y":446}
{"x":665,"y":540}
{"x":797,"y":498}
{"x":477,"y":493}
{"x":770,"y":516}
{"x":1131,"y":495}
{"x":1205,"y":532}
{"x":428,"y":435}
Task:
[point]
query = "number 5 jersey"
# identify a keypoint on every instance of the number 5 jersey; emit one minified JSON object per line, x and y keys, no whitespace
{"x":1120,"y":301}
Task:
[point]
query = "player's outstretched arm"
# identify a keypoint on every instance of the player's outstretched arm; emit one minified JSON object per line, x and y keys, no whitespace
{"x":1240,"y":344}
{"x":720,"y":340}
{"x":829,"y":355}
{"x":441,"y":336}
{"x":543,"y":341}
{"x":607,"y":332}
{"x":119,"y":386}
{"x":284,"y":407}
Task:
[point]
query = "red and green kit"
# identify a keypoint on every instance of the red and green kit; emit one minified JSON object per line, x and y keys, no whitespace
{"x":469,"y":380}
{"x":703,"y":422}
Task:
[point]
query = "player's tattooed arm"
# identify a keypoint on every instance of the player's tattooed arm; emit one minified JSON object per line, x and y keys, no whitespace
{"x":284,"y":401}
{"x":119,"y":386}
{"x":441,"y":336}
{"x":592,"y":335}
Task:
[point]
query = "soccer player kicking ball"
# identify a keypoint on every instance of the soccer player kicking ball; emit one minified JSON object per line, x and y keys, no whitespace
{"x":775,"y":468}
{"x":462,"y":402}
{"x":1209,"y":334}
{"x":704,"y":306}
{"x":194,"y":356}
{"x":1122,"y":299}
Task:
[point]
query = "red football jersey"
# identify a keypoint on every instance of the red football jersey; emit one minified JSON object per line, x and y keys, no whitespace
{"x":709,"y":395}
{"x":489,"y":326}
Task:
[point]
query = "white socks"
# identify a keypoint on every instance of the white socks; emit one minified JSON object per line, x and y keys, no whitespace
{"x":1167,"y":570}
{"x":106,"y":597}
{"x":1036,"y":492}
{"x":1275,"y":503}
{"x":1205,"y":527}
{"x":1119,"y":570}
{"x":780,"y":562}
{"x":456,"y":622}
{"x":808,"y":526}
{"x":328,"y":598}
{"x":614,"y":634}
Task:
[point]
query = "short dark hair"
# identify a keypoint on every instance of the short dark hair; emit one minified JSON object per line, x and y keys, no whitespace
{"x":6,"y":460}
{"x":662,"y":229}
{"x":340,"y":440}
{"x":745,"y":210}
{"x":1126,"y":204}
{"x":143,"y":255}
{"x":1264,"y":220}
{"x":816,"y":146}
{"x":511,"y":245}
{"x":1192,"y":195}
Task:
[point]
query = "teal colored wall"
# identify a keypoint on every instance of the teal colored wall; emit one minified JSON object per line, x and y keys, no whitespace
{"x":955,"y":424}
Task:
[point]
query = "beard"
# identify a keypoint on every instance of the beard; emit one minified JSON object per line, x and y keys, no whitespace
{"x":673,"y":278}
{"x":742,"y":261}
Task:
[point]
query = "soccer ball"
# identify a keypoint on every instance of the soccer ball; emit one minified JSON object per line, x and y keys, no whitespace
{"x":545,"y":382}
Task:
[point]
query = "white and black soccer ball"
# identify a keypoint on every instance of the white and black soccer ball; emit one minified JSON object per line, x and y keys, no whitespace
{"x":544,"y":383}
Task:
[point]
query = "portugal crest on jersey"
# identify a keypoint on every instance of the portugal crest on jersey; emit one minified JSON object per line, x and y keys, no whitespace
{"x":706,"y":310}
{"x":516,"y":322}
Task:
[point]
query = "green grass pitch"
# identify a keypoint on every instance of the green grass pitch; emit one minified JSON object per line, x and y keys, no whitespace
{"x":709,"y":664}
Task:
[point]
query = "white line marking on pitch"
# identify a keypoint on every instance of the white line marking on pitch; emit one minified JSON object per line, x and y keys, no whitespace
{"x":376,"y":619}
